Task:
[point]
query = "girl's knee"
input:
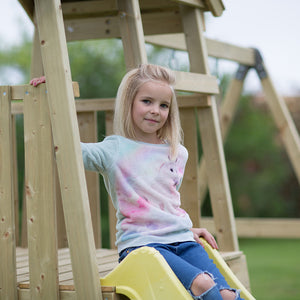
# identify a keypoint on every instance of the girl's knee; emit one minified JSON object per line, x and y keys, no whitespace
{"x":201,"y":284}
{"x":228,"y":294}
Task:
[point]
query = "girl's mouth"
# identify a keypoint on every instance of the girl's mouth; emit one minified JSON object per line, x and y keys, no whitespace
{"x":152,"y":120}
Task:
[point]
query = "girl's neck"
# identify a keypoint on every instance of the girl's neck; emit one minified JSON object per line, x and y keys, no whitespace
{"x":152,"y":140}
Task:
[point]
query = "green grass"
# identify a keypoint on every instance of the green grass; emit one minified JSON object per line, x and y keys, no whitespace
{"x":274,"y":268}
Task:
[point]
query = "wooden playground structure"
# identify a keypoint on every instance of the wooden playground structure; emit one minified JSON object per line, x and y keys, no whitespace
{"x":54,"y":124}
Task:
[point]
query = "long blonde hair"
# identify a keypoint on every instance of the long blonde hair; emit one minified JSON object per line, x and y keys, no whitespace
{"x":171,"y":132}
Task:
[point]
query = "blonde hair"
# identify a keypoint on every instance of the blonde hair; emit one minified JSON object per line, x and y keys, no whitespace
{"x":171,"y":132}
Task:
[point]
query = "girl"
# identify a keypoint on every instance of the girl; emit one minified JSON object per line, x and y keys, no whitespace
{"x":143,"y":166}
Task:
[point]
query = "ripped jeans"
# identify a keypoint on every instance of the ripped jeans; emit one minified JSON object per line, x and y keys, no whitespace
{"x":188,"y":260}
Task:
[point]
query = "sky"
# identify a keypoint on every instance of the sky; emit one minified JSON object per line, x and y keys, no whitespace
{"x":272,"y":26}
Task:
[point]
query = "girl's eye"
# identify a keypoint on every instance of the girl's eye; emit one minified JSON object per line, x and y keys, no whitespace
{"x":165,"y":106}
{"x":146,"y":101}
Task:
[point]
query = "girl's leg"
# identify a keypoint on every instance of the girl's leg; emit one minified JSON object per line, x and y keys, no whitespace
{"x":201,"y":282}
{"x":194,"y":254}
{"x":229,"y":295}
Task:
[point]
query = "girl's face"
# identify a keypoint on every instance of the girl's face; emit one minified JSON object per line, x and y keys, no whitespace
{"x":150,"y":110}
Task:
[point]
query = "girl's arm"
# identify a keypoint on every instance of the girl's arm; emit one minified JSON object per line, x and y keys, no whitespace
{"x":37,"y":81}
{"x":202,"y":232}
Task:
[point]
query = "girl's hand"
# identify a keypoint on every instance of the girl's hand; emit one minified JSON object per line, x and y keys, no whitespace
{"x":202,"y":232}
{"x":37,"y":81}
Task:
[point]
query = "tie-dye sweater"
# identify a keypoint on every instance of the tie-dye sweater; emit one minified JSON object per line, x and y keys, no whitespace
{"x":143,"y":184}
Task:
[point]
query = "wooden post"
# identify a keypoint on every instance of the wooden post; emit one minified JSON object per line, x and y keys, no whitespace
{"x":284,"y":122}
{"x":109,"y":115}
{"x":15,"y":178}
{"x":189,"y":189}
{"x":8,"y":278}
{"x":132,"y":33}
{"x":36,"y":69}
{"x":40,"y":195}
{"x":211,"y":136}
{"x":87,"y":122}
{"x":227,"y":113}
{"x":67,"y":148}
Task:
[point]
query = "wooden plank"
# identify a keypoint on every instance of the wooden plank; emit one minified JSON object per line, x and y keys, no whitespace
{"x":239,"y":267}
{"x":111,"y":210}
{"x":39,"y":186}
{"x":15,"y":179}
{"x":193,"y":3}
{"x":62,"y":239}
{"x":241,"y":55}
{"x":88,"y":8}
{"x":282,"y":228}
{"x":87,"y":122}
{"x":189,"y":188}
{"x":28,"y":7}
{"x":36,"y":68}
{"x":18,"y":91}
{"x":109,"y":26}
{"x":85,"y":9}
{"x":284,"y":122}
{"x":8,"y":283}
{"x":198,"y":83}
{"x":24,"y":294}
{"x":211,"y":137}
{"x":107,"y":104}
{"x":216,"y":7}
{"x":227,"y":113}
{"x":67,"y":147}
{"x":132,"y":33}
{"x":217,"y":49}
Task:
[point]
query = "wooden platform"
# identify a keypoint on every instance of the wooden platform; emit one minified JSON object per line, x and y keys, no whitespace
{"x":107,"y":260}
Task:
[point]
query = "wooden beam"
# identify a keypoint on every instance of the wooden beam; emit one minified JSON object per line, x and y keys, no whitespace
{"x":67,"y":148}
{"x":223,"y":50}
{"x":216,"y":7}
{"x":86,"y":9}
{"x":18,"y":91}
{"x":40,"y":195}
{"x":132,"y":33}
{"x":87,"y":122}
{"x":193,"y":3}
{"x":227,"y":113}
{"x":211,"y":136}
{"x":284,"y":122}
{"x":107,"y":104}
{"x":217,"y":49}
{"x":28,"y":7}
{"x":108,"y":26}
{"x":8,"y":279}
{"x":282,"y":228}
{"x":198,"y":83}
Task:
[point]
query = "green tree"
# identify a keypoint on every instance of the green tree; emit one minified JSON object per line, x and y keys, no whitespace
{"x":259,"y":170}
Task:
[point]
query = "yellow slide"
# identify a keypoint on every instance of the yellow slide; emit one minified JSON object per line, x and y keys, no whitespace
{"x":145,"y":275}
{"x":232,"y":280}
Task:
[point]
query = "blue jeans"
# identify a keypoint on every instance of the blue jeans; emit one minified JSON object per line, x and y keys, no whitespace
{"x":187,"y":260}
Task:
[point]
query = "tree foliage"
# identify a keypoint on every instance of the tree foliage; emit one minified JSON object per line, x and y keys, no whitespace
{"x":263,"y":183}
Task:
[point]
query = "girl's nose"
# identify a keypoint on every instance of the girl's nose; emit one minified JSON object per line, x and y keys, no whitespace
{"x":154,"y":109}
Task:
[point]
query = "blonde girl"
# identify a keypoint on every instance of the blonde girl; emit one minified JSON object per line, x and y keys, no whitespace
{"x":143,"y":165}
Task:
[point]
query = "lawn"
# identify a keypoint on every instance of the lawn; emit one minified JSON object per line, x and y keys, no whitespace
{"x":274,"y":268}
